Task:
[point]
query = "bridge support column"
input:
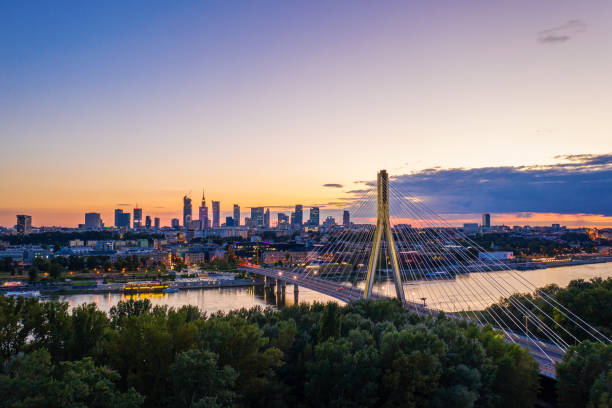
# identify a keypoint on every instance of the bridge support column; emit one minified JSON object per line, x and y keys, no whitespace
{"x":383,"y":227}
{"x":296,"y":294}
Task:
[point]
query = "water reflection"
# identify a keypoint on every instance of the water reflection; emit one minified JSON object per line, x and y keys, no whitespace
{"x":467,"y":292}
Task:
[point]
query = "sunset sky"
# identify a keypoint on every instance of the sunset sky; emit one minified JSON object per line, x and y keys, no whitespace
{"x":473,"y":106}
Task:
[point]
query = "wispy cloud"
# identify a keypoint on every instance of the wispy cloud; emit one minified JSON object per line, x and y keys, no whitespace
{"x":333,"y":185}
{"x":123,"y":205}
{"x":562,"y":33}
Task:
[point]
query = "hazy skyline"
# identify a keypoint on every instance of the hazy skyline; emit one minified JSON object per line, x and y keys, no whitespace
{"x":110,"y":103}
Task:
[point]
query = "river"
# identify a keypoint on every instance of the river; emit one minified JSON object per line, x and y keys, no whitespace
{"x":467,"y":292}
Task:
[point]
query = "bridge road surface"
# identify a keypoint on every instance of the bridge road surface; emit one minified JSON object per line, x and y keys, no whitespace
{"x":547,"y":355}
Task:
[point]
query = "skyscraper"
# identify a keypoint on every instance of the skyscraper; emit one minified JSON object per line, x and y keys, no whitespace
{"x":346,"y":218}
{"x":156,"y":222}
{"x":257,"y":216}
{"x":203,"y":213}
{"x":175,"y":223}
{"x":229,"y":222}
{"x":148,"y":222}
{"x":24,"y":224}
{"x":137,"y":218}
{"x":266,"y":218}
{"x":236,"y":215}
{"x":186,"y":211}
{"x":314,"y":217}
{"x":93,"y":220}
{"x":283,"y":221}
{"x":298,"y":217}
{"x":486,"y":220}
{"x":122,"y":219}
{"x":216,"y":208}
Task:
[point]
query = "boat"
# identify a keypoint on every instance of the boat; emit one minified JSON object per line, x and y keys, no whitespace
{"x":144,"y":287}
{"x":170,"y":290}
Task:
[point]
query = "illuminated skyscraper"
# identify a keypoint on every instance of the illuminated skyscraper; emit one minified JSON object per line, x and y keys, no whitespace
{"x":346,"y":218}
{"x":283,"y":221}
{"x":137,"y":218}
{"x":148,"y":222}
{"x":314,"y":217}
{"x":236,"y":215}
{"x":216,"y":209}
{"x":203,"y":213}
{"x":24,"y":224}
{"x":186,"y":211}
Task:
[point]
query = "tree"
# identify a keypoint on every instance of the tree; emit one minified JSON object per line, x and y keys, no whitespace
{"x":33,"y":273}
{"x":33,"y":381}
{"x":331,"y":322}
{"x":197,"y":379}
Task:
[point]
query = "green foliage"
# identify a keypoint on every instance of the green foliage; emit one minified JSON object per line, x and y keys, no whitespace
{"x":584,"y":376}
{"x":33,"y":381}
{"x":369,"y":353}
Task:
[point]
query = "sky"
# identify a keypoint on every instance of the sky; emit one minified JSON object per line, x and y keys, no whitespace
{"x":109,"y":105}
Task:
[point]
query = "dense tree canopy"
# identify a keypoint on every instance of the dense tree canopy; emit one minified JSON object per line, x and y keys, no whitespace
{"x":368,"y":353}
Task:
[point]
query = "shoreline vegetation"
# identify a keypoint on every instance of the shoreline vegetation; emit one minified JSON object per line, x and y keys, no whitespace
{"x":366,"y":353}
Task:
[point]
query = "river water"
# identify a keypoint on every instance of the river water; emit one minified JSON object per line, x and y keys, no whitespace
{"x":467,"y":292}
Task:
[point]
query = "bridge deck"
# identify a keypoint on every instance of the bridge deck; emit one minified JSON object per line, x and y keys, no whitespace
{"x":547,"y":355}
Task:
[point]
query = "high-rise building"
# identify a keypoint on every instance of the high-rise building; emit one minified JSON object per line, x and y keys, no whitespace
{"x":156,"y":222}
{"x":298,"y":218}
{"x":203,"y":213}
{"x":346,"y":218}
{"x":313,"y":221}
{"x":148,"y":222}
{"x":216,"y":208}
{"x":175,"y":223}
{"x":229,"y":222}
{"x":486,"y":220}
{"x":24,"y":224}
{"x":283,"y":221}
{"x":257,"y":216}
{"x":266,"y":218}
{"x":122,"y":219}
{"x":236,"y":215}
{"x":137,"y":218}
{"x":186,"y":211}
{"x":93,"y":220}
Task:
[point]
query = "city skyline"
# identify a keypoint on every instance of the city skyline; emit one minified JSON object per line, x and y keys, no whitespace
{"x":120,"y":104}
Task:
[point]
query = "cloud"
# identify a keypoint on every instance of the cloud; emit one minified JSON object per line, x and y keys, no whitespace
{"x":577,"y":184}
{"x":333,"y":185}
{"x":122,"y":205}
{"x":562,"y":33}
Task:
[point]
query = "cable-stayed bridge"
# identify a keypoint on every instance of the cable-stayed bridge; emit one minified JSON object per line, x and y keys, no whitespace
{"x":413,"y":254}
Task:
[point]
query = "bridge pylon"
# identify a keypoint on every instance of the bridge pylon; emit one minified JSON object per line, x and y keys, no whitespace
{"x":383,"y":227}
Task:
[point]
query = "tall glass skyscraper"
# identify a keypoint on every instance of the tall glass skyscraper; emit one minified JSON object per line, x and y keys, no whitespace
{"x":236,"y":215}
{"x":186,"y":211}
{"x":216,"y":209}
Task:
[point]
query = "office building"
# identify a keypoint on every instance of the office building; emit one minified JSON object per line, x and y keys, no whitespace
{"x":137,"y":218}
{"x":229,"y":222}
{"x":203,"y":213}
{"x":156,"y":222}
{"x":175,"y":223}
{"x":24,"y":224}
{"x":346,"y":218}
{"x":216,"y":209}
{"x":282,"y":221}
{"x":122,"y":219}
{"x":186,"y":211}
{"x":148,"y":222}
{"x":257,"y":216}
{"x":313,"y":221}
{"x":486,"y":220}
{"x":298,"y":216}
{"x":266,"y":218}
{"x":236,"y":215}
{"x":470,"y":228}
{"x":93,"y":220}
